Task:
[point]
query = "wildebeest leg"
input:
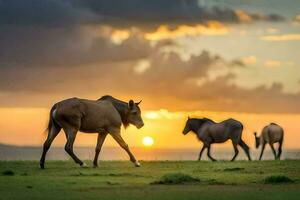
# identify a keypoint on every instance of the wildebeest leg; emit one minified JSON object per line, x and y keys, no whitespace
{"x":52,"y":133}
{"x":236,"y":151}
{"x":208,"y":153}
{"x":100,"y":140}
{"x":279,"y":150}
{"x":246,"y":148}
{"x":123,"y":144}
{"x":262,"y":150}
{"x":71,"y":135}
{"x":201,"y":151}
{"x":273,"y":150}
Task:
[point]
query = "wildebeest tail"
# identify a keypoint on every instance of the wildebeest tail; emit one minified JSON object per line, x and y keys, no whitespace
{"x":51,"y":120}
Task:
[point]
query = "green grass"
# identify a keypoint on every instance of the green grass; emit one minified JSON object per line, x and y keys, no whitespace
{"x":277,"y":179}
{"x":121,"y":180}
{"x":8,"y":173}
{"x":176,"y":178}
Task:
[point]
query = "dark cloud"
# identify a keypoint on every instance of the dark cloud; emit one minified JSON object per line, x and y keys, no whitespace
{"x":53,"y":32}
{"x":41,"y":13}
{"x":101,"y":59}
{"x":42,"y":48}
{"x":116,"y":13}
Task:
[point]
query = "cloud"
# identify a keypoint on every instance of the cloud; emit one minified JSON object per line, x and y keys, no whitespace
{"x":210,"y":28}
{"x":142,"y":66}
{"x":47,"y":13}
{"x":272,"y":30}
{"x":53,"y":49}
{"x":41,"y":48}
{"x":163,"y":79}
{"x":282,"y":37}
{"x":243,"y":16}
{"x":297,"y":18}
{"x":233,"y":98}
{"x":118,"y":13}
{"x":272,"y":63}
{"x":249,"y":60}
{"x":54,"y":32}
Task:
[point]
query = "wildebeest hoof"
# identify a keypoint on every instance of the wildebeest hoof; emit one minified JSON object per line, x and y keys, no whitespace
{"x":137,"y":164}
{"x":95,"y":165}
{"x":83,"y":165}
{"x":42,"y":166}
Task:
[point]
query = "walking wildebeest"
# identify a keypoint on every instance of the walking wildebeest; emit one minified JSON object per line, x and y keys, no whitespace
{"x":103,"y":116}
{"x":271,"y":134}
{"x":210,"y":132}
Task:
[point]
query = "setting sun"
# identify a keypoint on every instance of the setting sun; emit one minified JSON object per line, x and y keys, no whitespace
{"x":148,"y":141}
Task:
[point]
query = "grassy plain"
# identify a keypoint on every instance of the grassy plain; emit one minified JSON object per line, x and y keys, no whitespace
{"x":121,"y":180}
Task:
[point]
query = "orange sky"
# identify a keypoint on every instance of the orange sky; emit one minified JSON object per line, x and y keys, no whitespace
{"x":24,"y":126}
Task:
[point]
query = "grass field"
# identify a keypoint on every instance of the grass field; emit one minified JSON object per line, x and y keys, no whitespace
{"x":120,"y":180}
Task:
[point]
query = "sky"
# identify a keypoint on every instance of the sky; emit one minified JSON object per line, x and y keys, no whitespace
{"x":201,"y":58}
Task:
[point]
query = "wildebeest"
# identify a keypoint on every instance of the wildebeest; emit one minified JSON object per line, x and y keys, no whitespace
{"x":271,"y":134}
{"x":102,"y":116}
{"x":210,"y":132}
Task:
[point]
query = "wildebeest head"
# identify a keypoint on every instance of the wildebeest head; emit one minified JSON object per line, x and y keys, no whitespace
{"x":194,"y":124}
{"x":191,"y":124}
{"x":134,"y":114}
{"x":187,"y":127}
{"x":257,"y":140}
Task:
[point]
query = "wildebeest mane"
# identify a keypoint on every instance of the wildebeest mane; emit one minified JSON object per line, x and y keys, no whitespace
{"x":120,"y":106}
{"x":196,"y":123}
{"x":204,"y":120}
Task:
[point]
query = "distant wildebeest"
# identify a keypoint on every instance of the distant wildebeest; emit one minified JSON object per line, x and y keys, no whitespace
{"x":102,"y":116}
{"x":210,"y":132}
{"x":271,"y":134}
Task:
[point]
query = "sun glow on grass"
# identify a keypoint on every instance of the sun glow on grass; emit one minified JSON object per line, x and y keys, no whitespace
{"x":148,"y":141}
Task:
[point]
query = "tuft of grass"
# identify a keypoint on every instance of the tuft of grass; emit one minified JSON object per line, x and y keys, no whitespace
{"x":233,"y":169}
{"x":277,"y":179}
{"x":176,"y":178}
{"x":8,"y":173}
{"x":112,"y":183}
{"x":215,"y":182}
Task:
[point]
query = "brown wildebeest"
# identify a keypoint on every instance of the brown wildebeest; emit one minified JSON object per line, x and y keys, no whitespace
{"x":210,"y":132}
{"x":271,"y":134}
{"x":103,"y":116}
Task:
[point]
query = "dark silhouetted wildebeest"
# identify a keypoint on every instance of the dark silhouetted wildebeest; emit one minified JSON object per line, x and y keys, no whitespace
{"x":271,"y":134}
{"x":210,"y":132}
{"x":102,"y":116}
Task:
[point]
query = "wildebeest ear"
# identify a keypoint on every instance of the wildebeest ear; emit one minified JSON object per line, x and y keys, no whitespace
{"x":189,"y":117}
{"x":131,"y":104}
{"x":138,"y":102}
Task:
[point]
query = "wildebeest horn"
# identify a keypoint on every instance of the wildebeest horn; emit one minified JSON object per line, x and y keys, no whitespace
{"x":255,"y":134}
{"x":189,"y":117}
{"x":139,"y":102}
